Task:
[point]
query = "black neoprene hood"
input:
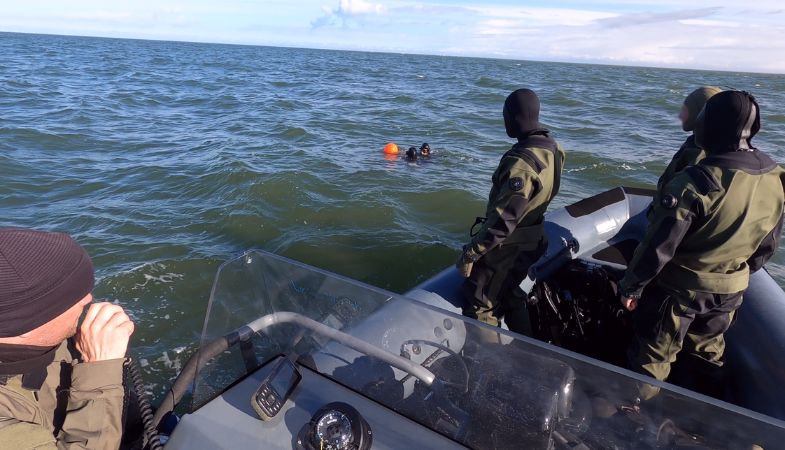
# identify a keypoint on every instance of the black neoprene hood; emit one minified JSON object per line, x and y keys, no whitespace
{"x":729,"y":122}
{"x":522,"y":114}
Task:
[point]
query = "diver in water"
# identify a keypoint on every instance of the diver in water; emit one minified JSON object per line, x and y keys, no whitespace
{"x":511,"y":237}
{"x":411,"y":154}
{"x":425,"y":150}
{"x":713,"y":224}
{"x":690,"y":153}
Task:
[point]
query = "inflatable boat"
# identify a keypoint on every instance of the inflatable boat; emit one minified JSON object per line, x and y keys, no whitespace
{"x":296,"y":357}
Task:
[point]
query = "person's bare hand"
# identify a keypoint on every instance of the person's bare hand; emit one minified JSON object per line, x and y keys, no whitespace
{"x":464,"y":266}
{"x":630,"y":303}
{"x":104,"y":333}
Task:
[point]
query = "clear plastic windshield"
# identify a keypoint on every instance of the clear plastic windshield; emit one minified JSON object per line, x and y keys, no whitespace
{"x":491,"y":389}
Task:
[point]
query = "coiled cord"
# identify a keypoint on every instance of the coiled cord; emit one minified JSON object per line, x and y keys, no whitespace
{"x":150,"y":440}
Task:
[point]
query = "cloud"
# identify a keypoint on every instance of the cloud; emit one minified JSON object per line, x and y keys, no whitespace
{"x":711,"y":23}
{"x":140,"y":19}
{"x":536,"y":16}
{"x":430,"y":10}
{"x":710,"y":34}
{"x":346,"y":10}
{"x":692,"y":38}
{"x":645,"y":18}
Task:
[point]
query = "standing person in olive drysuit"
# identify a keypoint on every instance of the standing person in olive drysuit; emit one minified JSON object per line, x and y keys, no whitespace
{"x":511,"y":237}
{"x":690,"y":153}
{"x":714,"y":223}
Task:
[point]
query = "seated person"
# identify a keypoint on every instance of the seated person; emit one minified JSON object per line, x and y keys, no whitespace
{"x":60,"y":387}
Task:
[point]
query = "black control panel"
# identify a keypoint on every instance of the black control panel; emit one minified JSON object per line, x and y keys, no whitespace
{"x":269,"y":399}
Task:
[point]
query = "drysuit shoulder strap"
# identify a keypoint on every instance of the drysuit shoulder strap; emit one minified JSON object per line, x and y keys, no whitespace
{"x":523,"y":150}
{"x":528,"y":156}
{"x":538,"y":165}
{"x":558,"y":157}
{"x":703,"y":179}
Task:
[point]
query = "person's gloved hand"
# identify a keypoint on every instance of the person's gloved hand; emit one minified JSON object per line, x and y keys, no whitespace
{"x":466,"y":261}
{"x":104,"y":333}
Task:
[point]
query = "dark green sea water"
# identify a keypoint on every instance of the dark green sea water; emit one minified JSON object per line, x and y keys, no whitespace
{"x":164,"y":159}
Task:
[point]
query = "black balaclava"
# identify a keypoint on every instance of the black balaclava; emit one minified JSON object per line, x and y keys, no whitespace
{"x":522,"y":114}
{"x":728,"y":122}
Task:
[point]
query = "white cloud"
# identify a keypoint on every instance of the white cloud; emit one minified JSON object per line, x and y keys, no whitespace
{"x":690,"y":38}
{"x":713,"y":34}
{"x":355,"y":7}
{"x":346,"y":10}
{"x":644,"y":18}
{"x":711,"y":23}
{"x":541,"y":16}
{"x":646,"y":32}
{"x":143,"y":18}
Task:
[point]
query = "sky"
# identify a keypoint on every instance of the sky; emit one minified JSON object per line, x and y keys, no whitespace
{"x":702,"y":34}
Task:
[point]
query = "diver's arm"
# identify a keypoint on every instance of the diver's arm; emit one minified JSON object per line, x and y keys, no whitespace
{"x":671,"y":220}
{"x":766,"y":248}
{"x":509,"y":208}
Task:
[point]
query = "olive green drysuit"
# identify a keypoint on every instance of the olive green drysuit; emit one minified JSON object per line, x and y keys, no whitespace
{"x":689,"y":153}
{"x":511,"y":237}
{"x":52,"y":402}
{"x":712,"y":225}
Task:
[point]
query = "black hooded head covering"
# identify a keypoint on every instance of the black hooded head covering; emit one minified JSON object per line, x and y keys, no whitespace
{"x":522,"y":114}
{"x":728,"y":122}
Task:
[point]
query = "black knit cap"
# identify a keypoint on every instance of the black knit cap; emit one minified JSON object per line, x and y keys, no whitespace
{"x":42,"y":275}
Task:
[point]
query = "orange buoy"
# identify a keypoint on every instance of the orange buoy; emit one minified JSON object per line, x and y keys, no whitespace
{"x":390,"y":149}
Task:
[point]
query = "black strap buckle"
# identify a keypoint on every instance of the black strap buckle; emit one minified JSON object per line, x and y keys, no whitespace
{"x":477,"y":221}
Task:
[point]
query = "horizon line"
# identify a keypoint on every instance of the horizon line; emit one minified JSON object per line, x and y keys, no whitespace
{"x":588,"y":62}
